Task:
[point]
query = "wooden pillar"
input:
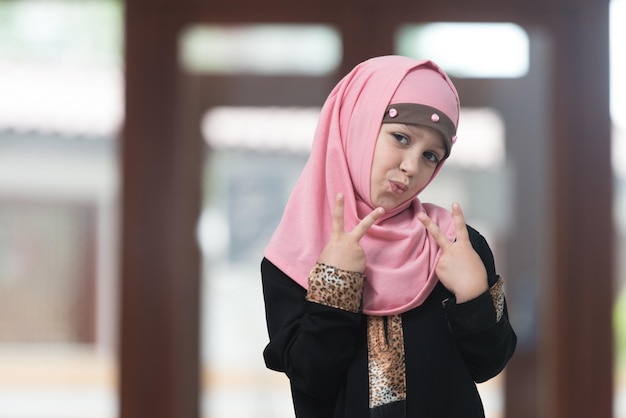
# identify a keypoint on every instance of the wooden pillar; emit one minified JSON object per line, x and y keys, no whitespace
{"x":366,"y":31}
{"x":160,"y":263}
{"x":578,"y":343}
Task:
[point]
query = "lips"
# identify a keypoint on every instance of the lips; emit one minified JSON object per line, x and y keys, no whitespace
{"x":397,"y":187}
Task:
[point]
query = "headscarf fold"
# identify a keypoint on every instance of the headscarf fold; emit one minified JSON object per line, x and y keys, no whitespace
{"x":401,"y":255}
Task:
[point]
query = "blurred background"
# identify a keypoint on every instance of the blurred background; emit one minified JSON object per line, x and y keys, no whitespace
{"x":250,"y":94}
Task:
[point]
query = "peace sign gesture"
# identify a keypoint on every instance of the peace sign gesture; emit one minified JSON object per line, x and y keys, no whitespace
{"x":460,"y":268}
{"x":343,"y":250}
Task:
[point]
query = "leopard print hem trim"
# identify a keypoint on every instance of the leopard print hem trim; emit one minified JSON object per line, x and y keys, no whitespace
{"x":497,"y":296}
{"x":335,"y":287}
{"x":386,"y":361}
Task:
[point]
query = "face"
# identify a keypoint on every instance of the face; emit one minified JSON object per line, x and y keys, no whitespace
{"x":405,"y":159}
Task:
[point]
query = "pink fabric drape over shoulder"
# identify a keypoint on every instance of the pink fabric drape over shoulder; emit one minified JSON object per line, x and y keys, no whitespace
{"x":401,"y":255}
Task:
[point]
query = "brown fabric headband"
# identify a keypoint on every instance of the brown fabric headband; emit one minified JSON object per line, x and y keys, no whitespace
{"x":419,"y":114}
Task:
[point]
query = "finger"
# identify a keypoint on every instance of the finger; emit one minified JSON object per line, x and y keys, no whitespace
{"x":337,"y":225}
{"x":361,"y":229}
{"x":459,"y":223}
{"x":433,"y":230}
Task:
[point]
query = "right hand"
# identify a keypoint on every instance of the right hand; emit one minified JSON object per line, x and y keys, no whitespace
{"x":343,"y":250}
{"x":460,"y":268}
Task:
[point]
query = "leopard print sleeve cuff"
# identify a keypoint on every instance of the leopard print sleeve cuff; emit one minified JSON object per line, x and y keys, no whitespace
{"x":497,"y":296}
{"x":335,"y":287}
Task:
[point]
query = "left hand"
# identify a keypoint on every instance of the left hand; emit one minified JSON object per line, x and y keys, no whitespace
{"x":460,"y":268}
{"x":343,"y":250}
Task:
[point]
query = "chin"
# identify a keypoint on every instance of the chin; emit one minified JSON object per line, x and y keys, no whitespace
{"x":389,"y":206}
{"x":390,"y":203}
{"x":397,"y":204}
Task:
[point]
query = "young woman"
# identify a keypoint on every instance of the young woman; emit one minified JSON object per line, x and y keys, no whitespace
{"x":379,"y":305}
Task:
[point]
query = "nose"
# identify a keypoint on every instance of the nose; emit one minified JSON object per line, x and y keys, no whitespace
{"x":409,"y":165}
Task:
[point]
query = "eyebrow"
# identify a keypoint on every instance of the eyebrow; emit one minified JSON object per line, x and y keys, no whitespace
{"x":441,"y":146}
{"x":441,"y":143}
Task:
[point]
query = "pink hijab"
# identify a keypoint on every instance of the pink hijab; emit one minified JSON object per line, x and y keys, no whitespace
{"x":401,"y":255}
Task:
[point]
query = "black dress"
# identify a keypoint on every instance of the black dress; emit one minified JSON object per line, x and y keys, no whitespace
{"x":448,"y":347}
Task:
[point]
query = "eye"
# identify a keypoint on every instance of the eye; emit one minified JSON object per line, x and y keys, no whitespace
{"x":432,"y":157}
{"x":402,"y":139}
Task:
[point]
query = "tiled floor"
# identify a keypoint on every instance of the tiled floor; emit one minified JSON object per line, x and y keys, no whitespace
{"x":77,"y":382}
{"x":63,"y":386}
